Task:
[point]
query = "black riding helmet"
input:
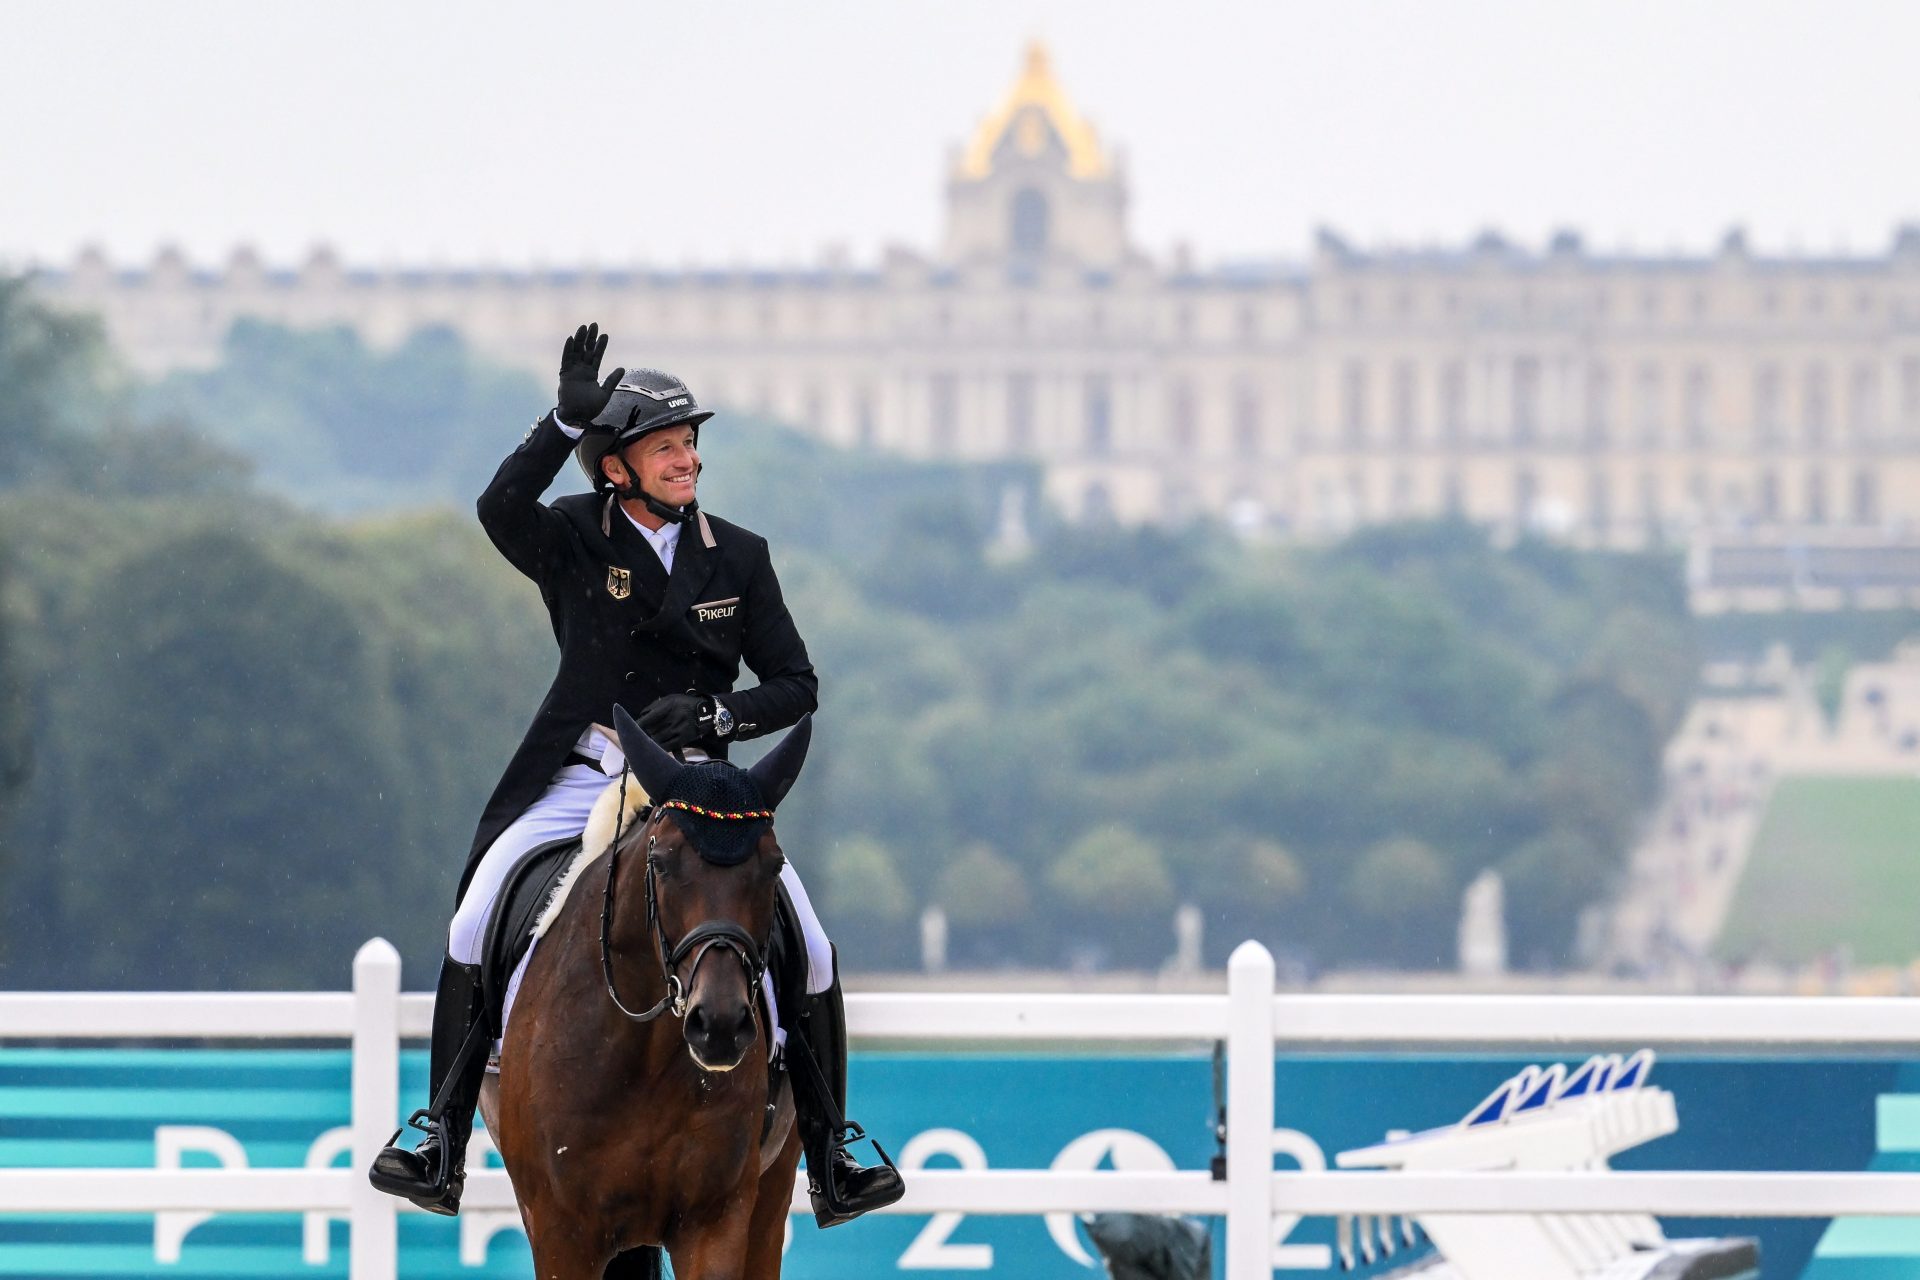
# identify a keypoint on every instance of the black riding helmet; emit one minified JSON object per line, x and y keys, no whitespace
{"x":647,"y":400}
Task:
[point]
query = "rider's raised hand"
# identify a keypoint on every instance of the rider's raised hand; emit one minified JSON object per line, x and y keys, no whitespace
{"x":582,"y":392}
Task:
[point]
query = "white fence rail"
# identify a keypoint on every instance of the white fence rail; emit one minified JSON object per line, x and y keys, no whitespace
{"x":375,"y":1017}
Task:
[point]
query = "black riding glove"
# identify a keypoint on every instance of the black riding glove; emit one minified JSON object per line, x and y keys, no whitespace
{"x":676,"y":720}
{"x":582,"y":394}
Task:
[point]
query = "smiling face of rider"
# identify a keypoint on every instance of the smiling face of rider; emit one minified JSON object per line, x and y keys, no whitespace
{"x":666,"y":465}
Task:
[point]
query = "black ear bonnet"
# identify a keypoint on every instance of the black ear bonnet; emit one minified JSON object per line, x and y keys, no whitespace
{"x":719,"y":810}
{"x":722,"y":810}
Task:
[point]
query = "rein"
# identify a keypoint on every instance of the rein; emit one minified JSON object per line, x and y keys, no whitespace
{"x":701,"y":939}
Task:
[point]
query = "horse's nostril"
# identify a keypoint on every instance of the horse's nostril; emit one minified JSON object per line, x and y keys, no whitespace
{"x":696,"y":1018}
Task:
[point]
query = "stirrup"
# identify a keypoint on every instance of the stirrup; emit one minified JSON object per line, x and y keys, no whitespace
{"x":438,"y":1187}
{"x":830,"y":1209}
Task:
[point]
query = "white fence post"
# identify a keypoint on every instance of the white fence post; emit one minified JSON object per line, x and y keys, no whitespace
{"x":374,"y":1254}
{"x":1250,"y":1113}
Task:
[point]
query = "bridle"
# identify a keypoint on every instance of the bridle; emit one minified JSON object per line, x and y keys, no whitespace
{"x":724,"y":935}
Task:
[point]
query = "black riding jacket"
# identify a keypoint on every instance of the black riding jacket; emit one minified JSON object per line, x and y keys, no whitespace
{"x":628,"y":632}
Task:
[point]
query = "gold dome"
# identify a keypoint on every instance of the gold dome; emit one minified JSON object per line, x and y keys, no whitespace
{"x":1038,"y":90}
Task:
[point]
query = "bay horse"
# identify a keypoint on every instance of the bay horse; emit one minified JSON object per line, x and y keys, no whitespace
{"x":636,"y":1105}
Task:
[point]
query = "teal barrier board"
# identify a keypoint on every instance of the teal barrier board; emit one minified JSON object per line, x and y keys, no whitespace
{"x":136,"y":1108}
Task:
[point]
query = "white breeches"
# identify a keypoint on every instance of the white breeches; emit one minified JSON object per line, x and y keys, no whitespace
{"x":560,"y":814}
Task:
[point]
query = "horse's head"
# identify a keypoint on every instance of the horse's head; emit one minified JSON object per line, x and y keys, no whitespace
{"x":712,"y":867}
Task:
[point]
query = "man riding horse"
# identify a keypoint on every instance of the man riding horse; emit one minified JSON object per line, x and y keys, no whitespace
{"x":654,"y":604}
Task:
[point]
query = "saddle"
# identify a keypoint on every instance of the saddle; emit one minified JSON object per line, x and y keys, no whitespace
{"x":529,"y":890}
{"x":515,"y":910}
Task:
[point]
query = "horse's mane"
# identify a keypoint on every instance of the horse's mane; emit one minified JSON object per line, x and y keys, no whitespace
{"x":608,"y":816}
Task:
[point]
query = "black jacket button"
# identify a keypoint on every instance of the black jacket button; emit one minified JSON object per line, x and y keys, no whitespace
{"x":634,"y":635}
{"x":633,"y":677}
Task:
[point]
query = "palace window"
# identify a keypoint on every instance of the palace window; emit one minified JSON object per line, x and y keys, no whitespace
{"x":1406,"y":405}
{"x":1699,"y":403}
{"x":1767,"y":416}
{"x":1353,"y":399}
{"x":1020,"y":410}
{"x":1453,"y":401}
{"x":1816,"y":403}
{"x":1452,"y":496}
{"x":1700,"y":494}
{"x":944,"y":411}
{"x":863,"y":424}
{"x":1099,"y":415}
{"x":1650,"y":500}
{"x":1816,"y":496}
{"x":1246,"y":421}
{"x":1526,"y":399}
{"x":1029,"y":219}
{"x":1651,"y":419}
{"x":1866,"y":496}
{"x":1769,"y":498}
{"x":1599,"y":404}
{"x":1910,"y":390}
{"x":1863,"y":402}
{"x":1181,"y":413}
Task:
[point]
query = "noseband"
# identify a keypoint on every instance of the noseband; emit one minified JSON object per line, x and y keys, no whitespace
{"x":701,"y":939}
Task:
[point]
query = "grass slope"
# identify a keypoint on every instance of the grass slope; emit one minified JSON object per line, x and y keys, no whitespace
{"x":1836,"y":862}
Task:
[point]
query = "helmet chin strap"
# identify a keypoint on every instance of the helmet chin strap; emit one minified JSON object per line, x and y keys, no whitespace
{"x":677,"y":515}
{"x":632,"y":492}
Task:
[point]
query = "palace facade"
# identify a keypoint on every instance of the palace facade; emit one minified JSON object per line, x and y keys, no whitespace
{"x":1750,"y":401}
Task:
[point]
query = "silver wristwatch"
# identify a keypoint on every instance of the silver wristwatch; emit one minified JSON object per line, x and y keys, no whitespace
{"x":722,"y":719}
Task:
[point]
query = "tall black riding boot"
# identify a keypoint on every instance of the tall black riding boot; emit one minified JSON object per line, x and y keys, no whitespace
{"x":434,"y":1174}
{"x":842,"y":1188}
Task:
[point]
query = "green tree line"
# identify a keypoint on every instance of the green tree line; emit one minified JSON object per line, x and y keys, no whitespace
{"x":242,"y":735}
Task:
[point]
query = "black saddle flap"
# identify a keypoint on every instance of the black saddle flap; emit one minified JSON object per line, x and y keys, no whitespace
{"x":510,"y":932}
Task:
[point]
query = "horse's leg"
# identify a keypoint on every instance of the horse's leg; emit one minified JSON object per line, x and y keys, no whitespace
{"x":767,"y":1233}
{"x":713,"y":1250}
{"x":566,"y":1251}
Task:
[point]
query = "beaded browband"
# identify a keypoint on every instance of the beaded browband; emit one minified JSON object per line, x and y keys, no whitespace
{"x":747,"y":816}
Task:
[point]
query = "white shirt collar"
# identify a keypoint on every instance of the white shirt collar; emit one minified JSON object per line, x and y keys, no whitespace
{"x":663,"y":540}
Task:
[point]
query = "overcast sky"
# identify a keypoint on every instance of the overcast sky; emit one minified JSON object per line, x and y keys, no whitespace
{"x":726,"y":133}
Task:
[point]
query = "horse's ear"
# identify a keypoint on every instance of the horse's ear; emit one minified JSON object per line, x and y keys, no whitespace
{"x":652,"y":767}
{"x":776,"y":771}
